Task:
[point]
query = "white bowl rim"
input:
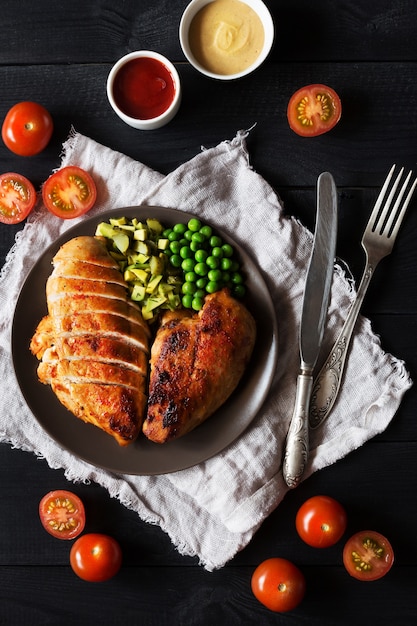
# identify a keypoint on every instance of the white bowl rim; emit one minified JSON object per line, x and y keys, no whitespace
{"x":269,"y":29}
{"x":136,"y":54}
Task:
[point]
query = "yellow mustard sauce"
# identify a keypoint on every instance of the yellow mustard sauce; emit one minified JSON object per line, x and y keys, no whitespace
{"x":226,"y":36}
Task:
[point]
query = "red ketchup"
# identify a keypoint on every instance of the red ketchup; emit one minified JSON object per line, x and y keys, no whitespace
{"x":143,"y":88}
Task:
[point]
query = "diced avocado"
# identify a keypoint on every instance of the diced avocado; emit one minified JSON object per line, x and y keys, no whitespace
{"x":154,"y":225}
{"x":154,"y":302}
{"x":129,"y":275}
{"x":138,"y":293}
{"x":142,"y":247}
{"x":121,"y":241}
{"x":105,"y":230}
{"x":157,"y":265}
{"x":140,"y":274}
{"x":163,"y":244}
{"x":140,"y":234}
{"x":117,"y":221}
{"x":153,"y":284}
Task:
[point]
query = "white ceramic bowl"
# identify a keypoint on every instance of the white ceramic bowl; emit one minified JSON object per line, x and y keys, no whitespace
{"x":269,"y":32}
{"x":162,"y":118}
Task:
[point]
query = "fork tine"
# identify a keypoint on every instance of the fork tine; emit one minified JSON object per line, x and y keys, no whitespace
{"x":404,"y":207}
{"x":378,"y":224}
{"x":393,"y":212}
{"x":380,"y":199}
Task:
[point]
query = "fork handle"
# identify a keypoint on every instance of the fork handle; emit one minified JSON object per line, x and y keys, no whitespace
{"x":326,"y":385}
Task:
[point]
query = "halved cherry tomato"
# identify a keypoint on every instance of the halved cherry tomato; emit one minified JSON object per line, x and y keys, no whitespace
{"x":278,"y":584}
{"x":321,"y":521}
{"x":368,"y":555}
{"x":62,"y":514}
{"x":314,"y":110}
{"x":96,"y":557}
{"x":27,"y":128}
{"x":69,"y":192}
{"x":17,"y":198}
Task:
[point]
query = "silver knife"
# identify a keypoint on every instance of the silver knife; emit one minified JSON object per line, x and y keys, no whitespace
{"x":313,"y":317}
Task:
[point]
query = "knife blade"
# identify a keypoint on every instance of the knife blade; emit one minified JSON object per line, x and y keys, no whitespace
{"x":313,"y":317}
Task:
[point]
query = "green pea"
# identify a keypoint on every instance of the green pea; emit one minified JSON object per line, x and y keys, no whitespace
{"x":190,"y":277}
{"x":175,"y":247}
{"x":195,"y":245}
{"x":187,"y":264}
{"x":187,"y":301}
{"x":214,"y":276}
{"x":212,"y":286}
{"x":166,"y":232}
{"x":180,"y":228}
{"x":201,"y":283}
{"x":225,"y":264}
{"x":188,"y":234}
{"x":237,"y":278}
{"x":197,"y":304}
{"x":173,"y":236}
{"x":213,"y":262}
{"x":206,"y":230}
{"x":215,"y":241}
{"x":217,"y":252}
{"x":227,"y":249}
{"x":175,"y":260}
{"x":239,"y":291}
{"x":188,"y":288}
{"x":201,"y":269}
{"x":194,"y":224}
{"x":198,"y":237}
{"x":201,"y":255}
{"x":200,"y":293}
{"x":186,"y":252}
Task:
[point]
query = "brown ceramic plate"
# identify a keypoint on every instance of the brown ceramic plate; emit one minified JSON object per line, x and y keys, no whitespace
{"x":143,"y":457}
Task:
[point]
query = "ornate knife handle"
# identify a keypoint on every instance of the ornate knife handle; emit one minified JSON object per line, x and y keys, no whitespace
{"x":296,"y":447}
{"x":326,"y":385}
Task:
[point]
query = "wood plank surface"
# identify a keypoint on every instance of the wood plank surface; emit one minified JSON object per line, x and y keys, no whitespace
{"x":366,"y":50}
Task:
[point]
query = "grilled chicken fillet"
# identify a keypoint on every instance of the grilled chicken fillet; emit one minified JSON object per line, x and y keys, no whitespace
{"x":93,"y":344}
{"x":197,"y":361}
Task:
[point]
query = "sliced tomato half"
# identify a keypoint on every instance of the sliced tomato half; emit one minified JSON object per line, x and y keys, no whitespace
{"x":69,"y":192}
{"x":368,"y":555}
{"x":314,"y":110}
{"x":17,"y":198}
{"x":62,"y":514}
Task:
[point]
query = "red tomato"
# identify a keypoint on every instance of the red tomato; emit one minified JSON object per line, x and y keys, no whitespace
{"x":314,"y":110}
{"x":278,"y":584}
{"x":62,"y":514}
{"x":69,"y":192}
{"x":96,"y":557}
{"x":321,"y":521}
{"x":27,"y":128}
{"x":368,"y":555}
{"x":17,"y":198}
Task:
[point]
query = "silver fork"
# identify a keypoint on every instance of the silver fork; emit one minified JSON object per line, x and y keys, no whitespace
{"x":377,"y":241}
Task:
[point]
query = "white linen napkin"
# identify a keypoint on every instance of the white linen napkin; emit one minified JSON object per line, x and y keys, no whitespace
{"x":212,"y":510}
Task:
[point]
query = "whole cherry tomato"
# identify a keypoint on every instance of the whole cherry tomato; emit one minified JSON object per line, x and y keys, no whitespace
{"x":278,"y":584}
{"x":368,"y":555}
{"x":27,"y":128}
{"x":96,"y":557}
{"x":69,"y":192}
{"x":17,"y":198}
{"x":321,"y":521}
{"x":62,"y":514}
{"x":314,"y":110}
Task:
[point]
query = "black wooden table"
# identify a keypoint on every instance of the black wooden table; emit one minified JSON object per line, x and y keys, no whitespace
{"x":59,"y":54}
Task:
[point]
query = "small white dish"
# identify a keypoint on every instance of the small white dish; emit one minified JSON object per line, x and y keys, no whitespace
{"x":144,"y":89}
{"x":269,"y":33}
